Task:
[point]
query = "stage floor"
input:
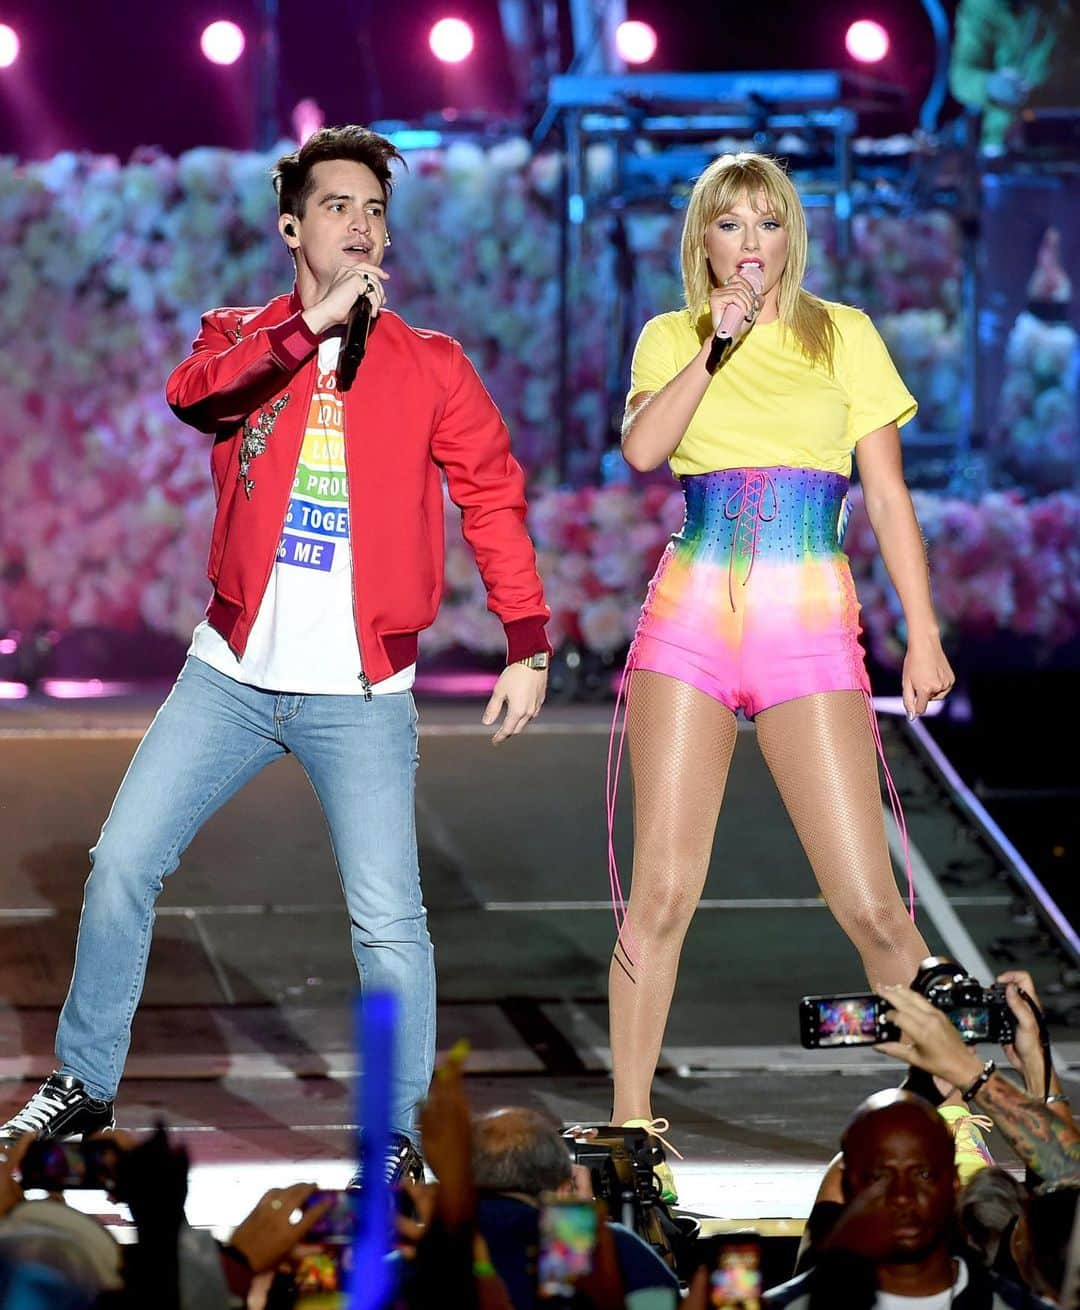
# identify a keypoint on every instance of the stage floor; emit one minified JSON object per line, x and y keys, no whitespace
{"x":243,"y":1041}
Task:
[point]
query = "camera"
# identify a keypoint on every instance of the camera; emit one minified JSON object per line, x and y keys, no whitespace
{"x":620,"y":1163}
{"x":979,"y":1014}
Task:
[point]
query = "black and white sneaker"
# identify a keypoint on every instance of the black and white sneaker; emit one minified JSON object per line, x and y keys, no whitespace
{"x":61,"y":1107}
{"x":402,"y":1160}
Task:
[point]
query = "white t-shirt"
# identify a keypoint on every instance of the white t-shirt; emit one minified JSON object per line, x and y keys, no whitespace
{"x":939,"y":1301}
{"x":304,"y":636}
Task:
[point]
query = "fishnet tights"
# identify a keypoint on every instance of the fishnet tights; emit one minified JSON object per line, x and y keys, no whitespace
{"x":821,"y":753}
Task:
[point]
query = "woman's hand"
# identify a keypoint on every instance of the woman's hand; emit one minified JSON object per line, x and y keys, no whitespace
{"x":735,"y":290}
{"x":927,"y":675}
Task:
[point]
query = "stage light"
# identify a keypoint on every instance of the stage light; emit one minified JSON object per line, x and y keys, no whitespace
{"x":635,"y":42}
{"x":867,"y":41}
{"x":9,"y":45}
{"x":307,"y":119}
{"x":451,"y":40}
{"x":222,"y":42}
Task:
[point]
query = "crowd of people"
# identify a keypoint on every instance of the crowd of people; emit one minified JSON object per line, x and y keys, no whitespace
{"x":892,"y":1227}
{"x":325,"y":569}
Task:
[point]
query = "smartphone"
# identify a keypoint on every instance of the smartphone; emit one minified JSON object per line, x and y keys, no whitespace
{"x":850,"y":1019}
{"x":59,"y":1166}
{"x":321,"y":1273}
{"x":568,"y":1228}
{"x":735,"y":1278}
{"x":858,"y":1019}
{"x":339,"y":1222}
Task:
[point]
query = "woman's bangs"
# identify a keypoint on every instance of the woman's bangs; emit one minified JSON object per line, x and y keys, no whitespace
{"x":751,"y":180}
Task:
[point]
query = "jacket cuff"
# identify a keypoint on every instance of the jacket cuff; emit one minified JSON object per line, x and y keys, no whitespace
{"x":525,"y":637}
{"x":291,"y":343}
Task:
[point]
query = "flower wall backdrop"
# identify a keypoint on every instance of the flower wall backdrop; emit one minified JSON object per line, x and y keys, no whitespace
{"x":107,"y":267}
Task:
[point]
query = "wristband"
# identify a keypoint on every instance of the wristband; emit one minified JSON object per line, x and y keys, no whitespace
{"x":1056,"y":1098}
{"x":988,"y":1069}
{"x":718,"y":353}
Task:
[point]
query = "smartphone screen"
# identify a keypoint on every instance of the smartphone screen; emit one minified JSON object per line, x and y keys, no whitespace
{"x":567,"y":1242}
{"x":840,"y":1020}
{"x":972,"y":1022}
{"x":735,"y":1281}
{"x":321,"y":1276}
{"x":53,"y":1165}
{"x":339,"y":1222}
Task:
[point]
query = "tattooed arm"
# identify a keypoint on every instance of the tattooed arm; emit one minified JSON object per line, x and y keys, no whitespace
{"x":1046,"y":1143}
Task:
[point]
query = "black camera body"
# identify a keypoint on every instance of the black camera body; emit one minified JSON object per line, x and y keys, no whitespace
{"x":979,"y":1014}
{"x":620,"y":1163}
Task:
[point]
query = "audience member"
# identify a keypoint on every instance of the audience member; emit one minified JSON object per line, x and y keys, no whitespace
{"x":896,"y":1243}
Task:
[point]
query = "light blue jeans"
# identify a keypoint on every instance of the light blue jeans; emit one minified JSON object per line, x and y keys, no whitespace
{"x":211,"y":736}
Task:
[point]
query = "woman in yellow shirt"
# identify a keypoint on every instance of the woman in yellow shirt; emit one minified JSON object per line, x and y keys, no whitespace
{"x":752,"y":607}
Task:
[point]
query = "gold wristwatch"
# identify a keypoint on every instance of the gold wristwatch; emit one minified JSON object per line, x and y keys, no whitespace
{"x":540,"y":660}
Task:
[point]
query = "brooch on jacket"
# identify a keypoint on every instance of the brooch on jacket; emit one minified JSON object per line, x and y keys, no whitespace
{"x":254,"y":438}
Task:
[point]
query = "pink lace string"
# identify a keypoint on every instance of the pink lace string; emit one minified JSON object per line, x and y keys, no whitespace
{"x":624,"y":933}
{"x":894,"y":801}
{"x":745,"y":507}
{"x":614,"y":767}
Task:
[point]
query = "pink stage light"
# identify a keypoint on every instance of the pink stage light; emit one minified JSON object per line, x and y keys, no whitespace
{"x":85,"y":688}
{"x":222,"y":42}
{"x":635,"y":42}
{"x":14,"y":691}
{"x":9,"y":45}
{"x":867,"y":41}
{"x":451,"y":40}
{"x":307,"y":119}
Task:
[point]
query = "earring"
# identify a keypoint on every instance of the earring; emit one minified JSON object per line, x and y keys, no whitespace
{"x":387,"y":241}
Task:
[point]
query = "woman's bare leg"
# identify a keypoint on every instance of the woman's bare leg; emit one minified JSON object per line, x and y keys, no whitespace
{"x":821,"y":752}
{"x":681,"y":742}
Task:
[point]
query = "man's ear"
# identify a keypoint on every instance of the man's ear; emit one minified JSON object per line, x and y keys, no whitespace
{"x":287,"y":226}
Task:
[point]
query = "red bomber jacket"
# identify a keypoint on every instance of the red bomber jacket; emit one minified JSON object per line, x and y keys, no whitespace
{"x":417,"y":407}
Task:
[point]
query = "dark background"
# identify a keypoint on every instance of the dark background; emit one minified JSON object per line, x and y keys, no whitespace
{"x":108,"y":77}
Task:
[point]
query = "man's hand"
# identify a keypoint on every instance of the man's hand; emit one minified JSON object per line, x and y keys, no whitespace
{"x":268,"y":1234}
{"x":152,"y":1179}
{"x":1025,"y":1054}
{"x":409,"y":1229}
{"x":930,"y":1041}
{"x":346,"y":287}
{"x":521,"y":690}
{"x":446,"y":1124}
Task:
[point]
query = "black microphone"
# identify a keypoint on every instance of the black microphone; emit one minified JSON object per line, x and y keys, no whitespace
{"x":352,"y":350}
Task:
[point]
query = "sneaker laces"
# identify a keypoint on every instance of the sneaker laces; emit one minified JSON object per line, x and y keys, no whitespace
{"x":396,"y":1159}
{"x":981,"y":1121}
{"x":36,"y":1113}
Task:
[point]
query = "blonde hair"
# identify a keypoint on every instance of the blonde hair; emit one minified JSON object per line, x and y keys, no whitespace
{"x":722,"y":185}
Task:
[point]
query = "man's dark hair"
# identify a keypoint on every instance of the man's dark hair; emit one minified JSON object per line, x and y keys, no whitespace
{"x":292,"y":173}
{"x":519,"y":1150}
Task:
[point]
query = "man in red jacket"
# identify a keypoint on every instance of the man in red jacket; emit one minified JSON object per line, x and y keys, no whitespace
{"x":326,"y":562}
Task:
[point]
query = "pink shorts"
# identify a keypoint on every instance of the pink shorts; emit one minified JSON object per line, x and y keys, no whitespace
{"x":753,"y":601}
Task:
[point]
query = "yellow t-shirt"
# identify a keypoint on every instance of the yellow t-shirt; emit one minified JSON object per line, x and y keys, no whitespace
{"x":767,"y":405}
